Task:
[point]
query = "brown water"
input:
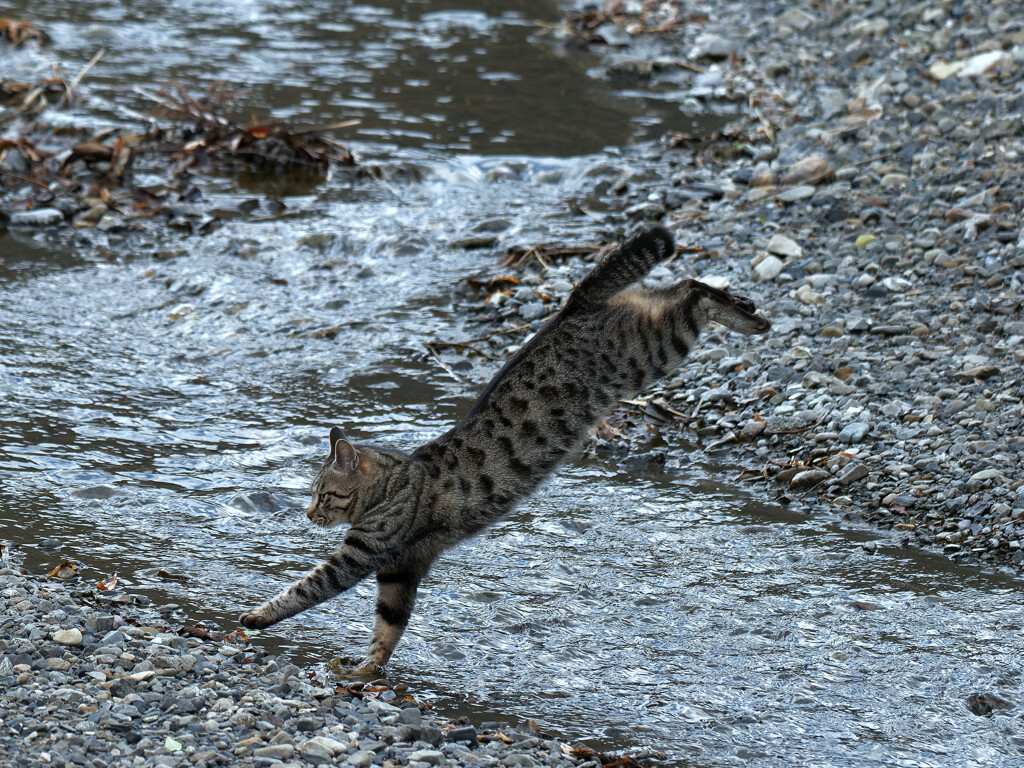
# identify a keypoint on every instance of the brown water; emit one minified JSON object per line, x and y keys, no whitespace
{"x":164,"y":399}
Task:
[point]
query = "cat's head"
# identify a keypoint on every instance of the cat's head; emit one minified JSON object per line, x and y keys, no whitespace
{"x":342,"y":488}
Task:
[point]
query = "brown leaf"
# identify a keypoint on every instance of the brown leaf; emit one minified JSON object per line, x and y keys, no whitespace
{"x":17,"y":32}
{"x":110,"y":583}
{"x":65,"y":570}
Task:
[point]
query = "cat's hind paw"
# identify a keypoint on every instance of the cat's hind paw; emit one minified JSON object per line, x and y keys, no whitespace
{"x":346,"y":666}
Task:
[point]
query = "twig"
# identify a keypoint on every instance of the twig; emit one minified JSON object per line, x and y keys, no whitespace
{"x":467,"y":344}
{"x":74,"y":83}
{"x":25,"y":179}
{"x":332,"y":127}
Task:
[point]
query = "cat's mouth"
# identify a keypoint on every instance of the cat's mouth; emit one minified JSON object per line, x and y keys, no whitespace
{"x":759,"y":323}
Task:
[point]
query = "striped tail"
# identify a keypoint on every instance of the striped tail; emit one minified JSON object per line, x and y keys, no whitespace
{"x":628,"y":263}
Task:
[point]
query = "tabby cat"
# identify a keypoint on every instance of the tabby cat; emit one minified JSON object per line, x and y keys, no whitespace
{"x":609,"y":342}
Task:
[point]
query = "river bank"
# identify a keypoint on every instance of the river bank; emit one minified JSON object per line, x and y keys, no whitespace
{"x":89,"y":675}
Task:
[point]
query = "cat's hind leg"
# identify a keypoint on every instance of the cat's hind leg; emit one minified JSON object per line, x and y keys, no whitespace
{"x":396,"y":596}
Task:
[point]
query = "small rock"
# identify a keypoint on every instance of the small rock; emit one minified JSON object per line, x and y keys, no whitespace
{"x":980,"y":372}
{"x":984,"y":63}
{"x":361,"y":759}
{"x":985,"y":475}
{"x":940,"y":70}
{"x":326,"y":743}
{"x":781,"y":245}
{"x":768,"y":268}
{"x":808,"y":478}
{"x":831,"y":332}
{"x":810,"y":170}
{"x":466,"y":733}
{"x":894,"y":181}
{"x":68,"y":637}
{"x":713,"y":47}
{"x":410,"y":716}
{"x":532,"y":311}
{"x":794,"y":194}
{"x":851,"y":473}
{"x":276,"y":751}
{"x":430,"y":756}
{"x":752,"y":429}
{"x":855,"y":432}
{"x":40,"y":217}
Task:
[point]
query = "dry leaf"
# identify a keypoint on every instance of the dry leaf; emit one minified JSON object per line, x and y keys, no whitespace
{"x":110,"y":583}
{"x":65,"y":570}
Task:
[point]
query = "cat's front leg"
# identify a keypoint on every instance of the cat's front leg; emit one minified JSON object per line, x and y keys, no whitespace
{"x":342,"y":570}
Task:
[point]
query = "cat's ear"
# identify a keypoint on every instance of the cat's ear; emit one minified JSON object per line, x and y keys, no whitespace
{"x":346,"y":457}
{"x":343,"y":452}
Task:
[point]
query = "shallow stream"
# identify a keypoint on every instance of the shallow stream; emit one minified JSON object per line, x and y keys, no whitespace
{"x":163,"y":403}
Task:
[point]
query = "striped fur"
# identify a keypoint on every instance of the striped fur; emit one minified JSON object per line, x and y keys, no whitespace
{"x":609,"y":343}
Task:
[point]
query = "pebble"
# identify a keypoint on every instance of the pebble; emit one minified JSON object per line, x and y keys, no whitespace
{"x":68,"y":637}
{"x":808,"y":479}
{"x":428,"y":756}
{"x":851,"y":473}
{"x":986,"y":475}
{"x":135,"y":692}
{"x":854,"y":433}
{"x":795,"y":194}
{"x":768,"y":268}
{"x":806,"y":171}
{"x":40,"y":217}
{"x":781,"y":245}
{"x":532,"y":310}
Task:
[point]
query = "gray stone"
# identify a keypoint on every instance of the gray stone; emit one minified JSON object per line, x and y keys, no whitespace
{"x":361,"y":759}
{"x":851,"y":473}
{"x":430,"y":756}
{"x":532,"y":310}
{"x":781,"y":245}
{"x":466,"y":733}
{"x":410,"y":716}
{"x":809,"y":478}
{"x":854,"y":433}
{"x":40,"y":217}
{"x":794,"y":194}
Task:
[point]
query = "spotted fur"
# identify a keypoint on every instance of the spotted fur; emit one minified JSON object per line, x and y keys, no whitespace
{"x":609,"y":342}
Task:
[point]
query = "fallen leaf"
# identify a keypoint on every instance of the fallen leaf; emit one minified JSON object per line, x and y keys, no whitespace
{"x":110,"y":583}
{"x":864,"y":240}
{"x":65,"y":570}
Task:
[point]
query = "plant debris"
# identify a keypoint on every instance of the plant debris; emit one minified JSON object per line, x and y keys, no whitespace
{"x":615,"y":21}
{"x":57,"y":174}
{"x":64,"y":571}
{"x":19,"y":32}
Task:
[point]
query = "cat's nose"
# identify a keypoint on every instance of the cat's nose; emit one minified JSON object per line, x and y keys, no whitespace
{"x":311,"y":511}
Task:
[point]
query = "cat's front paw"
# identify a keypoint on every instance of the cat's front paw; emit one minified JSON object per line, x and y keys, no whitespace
{"x":255,"y":619}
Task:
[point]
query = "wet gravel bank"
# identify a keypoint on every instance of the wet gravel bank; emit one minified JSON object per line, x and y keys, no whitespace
{"x":95,"y":678}
{"x":869,"y":201}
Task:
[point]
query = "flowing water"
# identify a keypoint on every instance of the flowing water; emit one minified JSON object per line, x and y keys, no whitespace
{"x":163,"y":404}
